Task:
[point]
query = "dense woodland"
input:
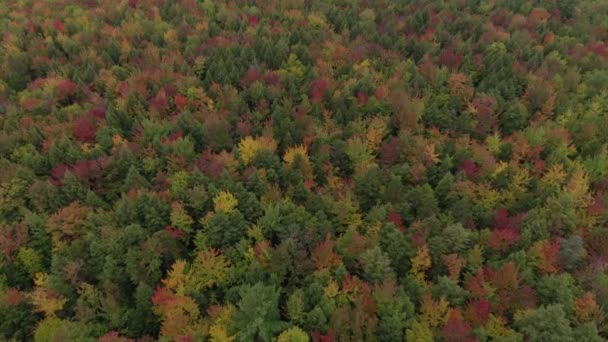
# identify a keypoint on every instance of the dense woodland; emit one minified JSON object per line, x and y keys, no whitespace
{"x":304,"y":170}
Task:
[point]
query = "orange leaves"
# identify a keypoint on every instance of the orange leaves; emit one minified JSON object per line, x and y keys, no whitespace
{"x":292,"y":152}
{"x":67,"y":223}
{"x":454,"y":264}
{"x":180,"y":313}
{"x":458,"y":84}
{"x":376,"y":130}
{"x":587,"y":309}
{"x":546,"y":253}
{"x":324,"y":256}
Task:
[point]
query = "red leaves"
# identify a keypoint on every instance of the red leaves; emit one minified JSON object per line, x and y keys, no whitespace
{"x":132,"y":3}
{"x":450,"y":58}
{"x":507,"y":278}
{"x":180,"y":102}
{"x":362,"y":98}
{"x":506,"y":232}
{"x":174,"y":233}
{"x":596,"y":208}
{"x":57,"y":173}
{"x":394,"y":217}
{"x":88,"y":172}
{"x":251,"y":76}
{"x":329,"y":337}
{"x":469,"y":168}
{"x":11,"y":238}
{"x":390,"y":151}
{"x":97,"y":113}
{"x":160,"y":102}
{"x":65,"y":89}
{"x":478,"y":312}
{"x":456,"y":329}
{"x":59,"y":26}
{"x":253,"y":20}
{"x":210,"y":164}
{"x":84,"y":129}
{"x":13,"y":296}
{"x":113,"y":336}
{"x":318,"y":89}
{"x":381,"y":93}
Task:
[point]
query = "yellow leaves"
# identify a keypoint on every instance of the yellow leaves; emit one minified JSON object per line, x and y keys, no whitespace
{"x":292,"y":152}
{"x":170,"y":37}
{"x":219,"y":334}
{"x":294,"y":66}
{"x":419,"y":332}
{"x":117,"y":140}
{"x":176,"y":278}
{"x":502,"y":166}
{"x":316,"y":21}
{"x":489,"y":197}
{"x":332,"y":289}
{"x":520,"y":180}
{"x":475,"y":256}
{"x":249,"y":146}
{"x":180,"y":218}
{"x":40,"y":279}
{"x":207,"y":269}
{"x":578,"y":187}
{"x":43,"y":299}
{"x":87,"y":147}
{"x":221,"y":322}
{"x":358,"y":151}
{"x":494,"y":143}
{"x":434,"y":312}
{"x":496,"y":329}
{"x":555,"y":175}
{"x":429,"y":152}
{"x":362,"y":67}
{"x":421,"y":262}
{"x":224,"y":202}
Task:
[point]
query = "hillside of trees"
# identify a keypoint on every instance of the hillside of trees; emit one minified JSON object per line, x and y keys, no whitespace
{"x":304,"y":170}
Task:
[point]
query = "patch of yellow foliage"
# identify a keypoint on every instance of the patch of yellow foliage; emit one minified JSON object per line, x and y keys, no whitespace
{"x":292,"y":152}
{"x":249,"y":146}
{"x":224,"y":202}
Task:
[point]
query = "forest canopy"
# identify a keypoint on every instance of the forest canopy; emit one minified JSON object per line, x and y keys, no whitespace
{"x":304,"y":170}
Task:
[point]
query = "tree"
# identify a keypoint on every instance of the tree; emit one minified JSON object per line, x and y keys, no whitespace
{"x":547,"y":323}
{"x":419,"y":332}
{"x":376,"y":265}
{"x":262,"y":302}
{"x":294,"y":334}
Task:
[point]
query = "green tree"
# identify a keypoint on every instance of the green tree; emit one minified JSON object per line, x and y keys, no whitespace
{"x":258,"y":317}
{"x":547,"y":323}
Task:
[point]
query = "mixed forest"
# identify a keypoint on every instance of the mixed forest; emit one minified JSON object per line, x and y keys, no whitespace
{"x":304,"y":170}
